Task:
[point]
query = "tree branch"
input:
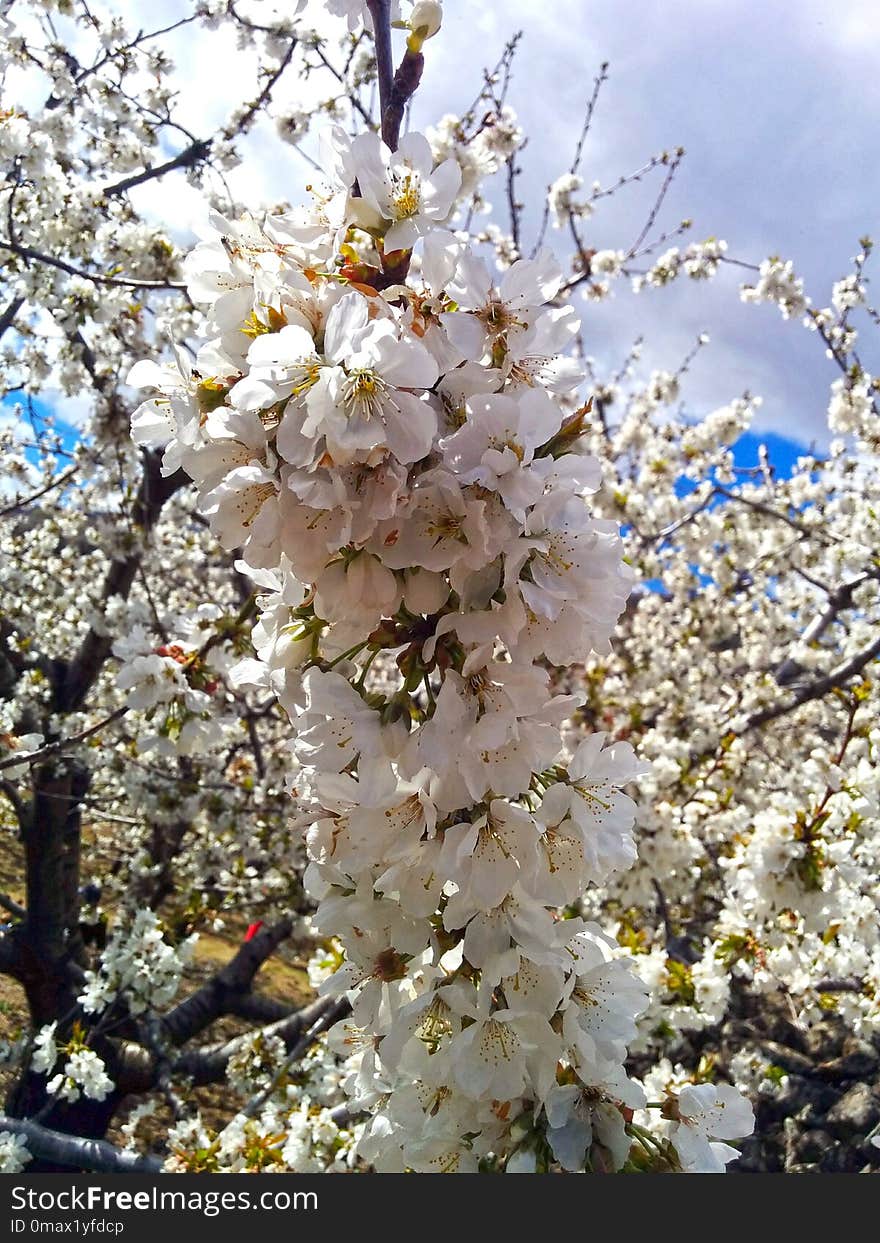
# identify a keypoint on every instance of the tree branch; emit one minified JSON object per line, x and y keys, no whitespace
{"x":10,"y":955}
{"x":208,"y":1064}
{"x":217,"y":996}
{"x":762,"y":508}
{"x":838,"y":601}
{"x":263,"y":98}
{"x":95,"y":1155}
{"x":395,"y":89}
{"x":27,"y":252}
{"x":338,"y":1010}
{"x":815,"y":689}
{"x":18,"y":804}
{"x":13,"y":907}
{"x":340,"y":77}
{"x":52,"y":875}
{"x":658,"y":202}
{"x":258,"y":1008}
{"x":57,"y":481}
{"x":380,"y":12}
{"x":7,"y":316}
{"x":197,"y":152}
{"x":155,"y":489}
{"x":53,"y":748}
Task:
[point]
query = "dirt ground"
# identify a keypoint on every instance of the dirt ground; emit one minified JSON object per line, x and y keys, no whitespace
{"x":283,"y":978}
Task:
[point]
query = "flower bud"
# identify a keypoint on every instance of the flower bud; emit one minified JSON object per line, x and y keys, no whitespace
{"x":424,"y":22}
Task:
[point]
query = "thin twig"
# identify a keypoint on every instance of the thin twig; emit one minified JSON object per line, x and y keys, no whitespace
{"x":337,"y":1011}
{"x":27,"y":252}
{"x":658,"y":202}
{"x":52,"y":748}
{"x":57,"y":482}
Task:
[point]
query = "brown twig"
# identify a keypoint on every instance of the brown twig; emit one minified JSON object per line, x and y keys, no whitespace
{"x":27,"y":252}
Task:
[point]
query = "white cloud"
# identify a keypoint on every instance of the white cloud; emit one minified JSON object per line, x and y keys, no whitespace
{"x":73,"y":410}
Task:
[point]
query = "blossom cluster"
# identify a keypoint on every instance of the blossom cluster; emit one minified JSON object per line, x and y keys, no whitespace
{"x":82,"y":1072}
{"x":302,"y":1124}
{"x":755,"y":882}
{"x":14,"y":1154}
{"x":138,"y":965}
{"x":387,"y":429}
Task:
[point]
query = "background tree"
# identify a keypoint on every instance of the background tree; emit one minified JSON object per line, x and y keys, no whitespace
{"x":163,"y":789}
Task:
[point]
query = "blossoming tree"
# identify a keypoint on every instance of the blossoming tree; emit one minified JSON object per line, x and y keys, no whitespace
{"x":342,"y":640}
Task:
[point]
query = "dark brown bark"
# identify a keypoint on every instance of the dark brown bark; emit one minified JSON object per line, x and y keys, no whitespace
{"x":49,"y":936}
{"x":155,"y":489}
{"x":218,"y":996}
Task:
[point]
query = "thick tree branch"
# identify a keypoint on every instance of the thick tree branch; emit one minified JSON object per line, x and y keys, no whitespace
{"x":815,"y":689}
{"x":7,"y":316}
{"x":10,"y":905}
{"x":217,"y":996}
{"x":155,"y":489}
{"x":406,"y":81}
{"x":395,"y":89}
{"x":50,"y":942}
{"x":208,"y":1065}
{"x":10,"y":955}
{"x":380,"y":12}
{"x":258,"y":1008}
{"x":136,"y":1069}
{"x":838,"y":601}
{"x":95,"y":1155}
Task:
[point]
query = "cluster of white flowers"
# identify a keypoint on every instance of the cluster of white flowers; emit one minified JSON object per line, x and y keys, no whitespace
{"x":756,"y":878}
{"x":565,"y":200}
{"x":848,"y":293}
{"x":700,"y":1117}
{"x":851,"y":409}
{"x":139,"y":965}
{"x":699,"y":261}
{"x":381,"y":433}
{"x":173,"y":684}
{"x":302,"y":1125}
{"x":83,"y":1072}
{"x":298,"y":1139}
{"x":778,"y":283}
{"x":388,"y":515}
{"x":14,"y":1155}
{"x":255,"y":1062}
{"x":138,"y":1114}
{"x":478,"y":150}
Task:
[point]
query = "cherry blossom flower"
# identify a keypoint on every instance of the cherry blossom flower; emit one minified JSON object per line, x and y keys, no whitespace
{"x":404,"y":187}
{"x":710,"y":1113}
